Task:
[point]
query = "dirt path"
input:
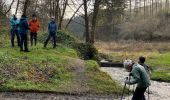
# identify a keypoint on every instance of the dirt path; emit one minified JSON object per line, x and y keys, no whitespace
{"x":45,"y":96}
{"x":159,"y":90}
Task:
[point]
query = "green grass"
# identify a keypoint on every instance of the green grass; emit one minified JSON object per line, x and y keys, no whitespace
{"x":159,"y":62}
{"x":100,"y":81}
{"x":43,"y":69}
{"x":160,"y":65}
{"x":53,"y":70}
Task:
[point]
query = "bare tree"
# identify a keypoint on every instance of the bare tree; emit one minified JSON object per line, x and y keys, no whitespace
{"x":73,"y":15}
{"x":16,"y":11}
{"x":36,"y":4}
{"x":25,"y":7}
{"x":9,"y":7}
{"x":94,"y":19}
{"x":63,"y":13}
{"x":86,"y":22}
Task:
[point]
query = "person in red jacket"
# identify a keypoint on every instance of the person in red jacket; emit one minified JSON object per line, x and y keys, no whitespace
{"x":34,"y":25}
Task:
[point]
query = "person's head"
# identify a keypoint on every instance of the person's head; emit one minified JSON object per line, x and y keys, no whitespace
{"x":15,"y":18}
{"x":23,"y":16}
{"x":141,"y":59}
{"x":34,"y":17}
{"x":128,"y":64}
{"x":52,"y":18}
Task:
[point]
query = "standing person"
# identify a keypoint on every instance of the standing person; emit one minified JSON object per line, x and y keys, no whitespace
{"x":14,"y":30}
{"x":142,"y":62}
{"x":23,"y":29}
{"x":34,"y":25}
{"x":52,"y":29}
{"x":139,"y":76}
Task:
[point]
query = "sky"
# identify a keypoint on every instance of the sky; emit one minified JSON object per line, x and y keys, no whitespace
{"x":70,"y":9}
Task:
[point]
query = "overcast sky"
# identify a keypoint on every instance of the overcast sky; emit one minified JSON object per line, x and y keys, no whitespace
{"x":70,"y":9}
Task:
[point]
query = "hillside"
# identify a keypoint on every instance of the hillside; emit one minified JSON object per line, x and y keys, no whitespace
{"x":57,"y":70}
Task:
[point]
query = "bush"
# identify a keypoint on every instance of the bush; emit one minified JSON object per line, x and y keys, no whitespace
{"x":66,"y":38}
{"x":86,"y":51}
{"x":63,"y":37}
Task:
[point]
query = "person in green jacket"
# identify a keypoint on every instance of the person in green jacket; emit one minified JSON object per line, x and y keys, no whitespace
{"x":139,"y":76}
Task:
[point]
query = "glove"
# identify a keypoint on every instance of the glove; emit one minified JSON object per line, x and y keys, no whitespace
{"x":127,"y":81}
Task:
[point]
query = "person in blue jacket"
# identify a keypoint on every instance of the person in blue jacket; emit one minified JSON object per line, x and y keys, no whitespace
{"x":14,"y":30}
{"x":52,"y":29}
{"x":23,"y":30}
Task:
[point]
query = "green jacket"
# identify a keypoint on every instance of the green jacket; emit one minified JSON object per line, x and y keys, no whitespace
{"x":139,"y":76}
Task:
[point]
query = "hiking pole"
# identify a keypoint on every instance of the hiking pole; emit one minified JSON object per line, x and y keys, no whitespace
{"x":124,"y":89}
{"x":133,"y":88}
{"x":129,"y":86}
{"x":148,"y":94}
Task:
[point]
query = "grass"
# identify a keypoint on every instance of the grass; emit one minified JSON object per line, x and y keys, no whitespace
{"x":106,"y":84}
{"x":51,"y":70}
{"x":157,"y":55}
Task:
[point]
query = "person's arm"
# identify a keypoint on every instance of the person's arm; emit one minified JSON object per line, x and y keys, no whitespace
{"x":135,"y":76}
{"x":11,"y":22}
{"x":55,"y":27}
{"x":29,"y":23}
{"x":26,"y":25}
{"x":132,"y":80}
{"x":48,"y":27}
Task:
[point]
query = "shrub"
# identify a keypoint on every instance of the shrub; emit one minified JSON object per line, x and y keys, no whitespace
{"x":86,"y":51}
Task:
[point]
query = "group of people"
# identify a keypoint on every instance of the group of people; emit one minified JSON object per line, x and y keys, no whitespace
{"x":140,"y":75}
{"x":20,"y":28}
{"x":139,"y":72}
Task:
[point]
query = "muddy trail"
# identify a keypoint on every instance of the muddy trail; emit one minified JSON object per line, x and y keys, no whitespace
{"x":158,"y":90}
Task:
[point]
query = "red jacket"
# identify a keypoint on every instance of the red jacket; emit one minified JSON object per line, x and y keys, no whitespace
{"x":34,"y":26}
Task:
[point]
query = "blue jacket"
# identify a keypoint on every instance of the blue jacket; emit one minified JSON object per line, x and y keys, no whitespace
{"x":52,"y":27}
{"x":14,"y":23}
{"x":23,"y":26}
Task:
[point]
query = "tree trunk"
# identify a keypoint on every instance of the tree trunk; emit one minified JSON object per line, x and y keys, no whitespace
{"x":50,"y":8}
{"x":9,"y":7}
{"x":73,"y":16}
{"x":16,"y":11}
{"x":130,"y":8}
{"x":25,"y":7}
{"x":144,"y":8}
{"x":36,"y":6}
{"x":63,"y":13}
{"x":95,"y":13}
{"x":86,"y":22}
{"x":57,"y":10}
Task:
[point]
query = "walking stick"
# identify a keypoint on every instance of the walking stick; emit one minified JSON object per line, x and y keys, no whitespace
{"x":129,"y":86}
{"x":148,"y":94}
{"x":124,"y":89}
